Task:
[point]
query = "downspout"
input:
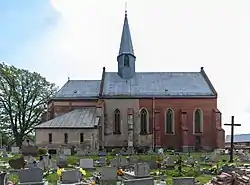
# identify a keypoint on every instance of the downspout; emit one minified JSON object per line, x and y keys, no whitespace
{"x":153,"y":120}
{"x":101,"y":105}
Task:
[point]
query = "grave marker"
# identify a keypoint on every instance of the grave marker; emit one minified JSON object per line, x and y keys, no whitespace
{"x":31,"y":176}
{"x":15,"y":150}
{"x":87,"y":163}
{"x":71,"y":177}
{"x":184,"y":180}
{"x":142,"y":170}
{"x":67,"y":151}
{"x":232,"y":124}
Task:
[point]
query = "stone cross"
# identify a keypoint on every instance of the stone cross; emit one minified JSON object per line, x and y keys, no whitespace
{"x":232,"y":124}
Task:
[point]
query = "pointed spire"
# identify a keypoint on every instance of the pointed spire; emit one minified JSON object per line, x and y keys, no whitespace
{"x":126,"y":46}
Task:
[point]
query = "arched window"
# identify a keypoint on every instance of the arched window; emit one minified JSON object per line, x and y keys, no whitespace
{"x":126,"y":61}
{"x":169,"y":121}
{"x":117,"y":122}
{"x":144,"y":121}
{"x":198,"y":119}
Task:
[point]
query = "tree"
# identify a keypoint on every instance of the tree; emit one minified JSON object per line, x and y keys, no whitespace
{"x":23,"y":100}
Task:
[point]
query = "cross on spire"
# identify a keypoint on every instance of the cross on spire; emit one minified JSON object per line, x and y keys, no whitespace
{"x":126,"y":6}
{"x":232,"y":124}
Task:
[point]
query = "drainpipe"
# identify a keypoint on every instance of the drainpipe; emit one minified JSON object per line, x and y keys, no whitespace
{"x":153,"y":120}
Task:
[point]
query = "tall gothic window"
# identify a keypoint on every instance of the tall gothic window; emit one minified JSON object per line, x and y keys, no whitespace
{"x":198,"y":118}
{"x":126,"y":61}
{"x":117,"y":122}
{"x":169,"y":121}
{"x":144,"y":121}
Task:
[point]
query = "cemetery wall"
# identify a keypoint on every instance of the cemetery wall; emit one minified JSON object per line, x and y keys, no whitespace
{"x":42,"y":137}
{"x":174,"y":140}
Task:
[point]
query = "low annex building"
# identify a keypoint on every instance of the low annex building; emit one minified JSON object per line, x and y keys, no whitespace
{"x":175,"y":110}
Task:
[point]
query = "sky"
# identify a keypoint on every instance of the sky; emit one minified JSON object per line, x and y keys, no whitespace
{"x":76,"y":38}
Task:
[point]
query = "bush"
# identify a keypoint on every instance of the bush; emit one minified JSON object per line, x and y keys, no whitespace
{"x":42,"y":151}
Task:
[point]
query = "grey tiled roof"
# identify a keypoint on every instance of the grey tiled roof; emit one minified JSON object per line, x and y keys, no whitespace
{"x":78,"y":118}
{"x":238,"y":138}
{"x":79,"y":89}
{"x":157,"y":84}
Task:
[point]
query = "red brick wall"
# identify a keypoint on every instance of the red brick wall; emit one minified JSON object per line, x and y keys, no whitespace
{"x":174,"y":141}
{"x":57,"y":108}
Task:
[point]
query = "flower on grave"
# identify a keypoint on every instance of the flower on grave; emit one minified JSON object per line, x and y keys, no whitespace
{"x":210,"y":164}
{"x":59,"y":171}
{"x":10,"y":183}
{"x":120,"y":172}
{"x":84,"y":173}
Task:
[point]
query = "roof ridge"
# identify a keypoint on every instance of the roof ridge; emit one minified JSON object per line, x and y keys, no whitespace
{"x":85,"y":80}
{"x":162,"y":72}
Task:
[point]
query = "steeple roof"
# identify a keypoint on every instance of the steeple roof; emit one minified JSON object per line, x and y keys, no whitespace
{"x":126,"y":46}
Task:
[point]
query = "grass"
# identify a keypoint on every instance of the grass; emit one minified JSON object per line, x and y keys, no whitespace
{"x":187,"y":171}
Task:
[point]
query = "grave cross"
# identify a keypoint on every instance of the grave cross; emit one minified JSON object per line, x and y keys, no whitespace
{"x":232,"y":137}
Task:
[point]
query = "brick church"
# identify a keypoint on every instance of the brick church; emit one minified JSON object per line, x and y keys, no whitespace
{"x":173,"y":110}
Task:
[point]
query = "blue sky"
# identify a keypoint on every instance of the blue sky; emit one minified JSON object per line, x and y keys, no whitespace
{"x":76,"y":38}
{"x":22,"y":22}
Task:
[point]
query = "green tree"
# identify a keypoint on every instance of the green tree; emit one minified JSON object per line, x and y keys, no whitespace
{"x":23,"y":100}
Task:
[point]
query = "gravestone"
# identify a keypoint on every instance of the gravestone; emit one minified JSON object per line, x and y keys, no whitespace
{"x":160,"y":151}
{"x":139,"y":181}
{"x":152,"y":165}
{"x":32,"y":176}
{"x":2,"y":178}
{"x":4,"y":153}
{"x":61,"y":160}
{"x":132,"y":160}
{"x":81,"y":152}
{"x":45,"y":160}
{"x":183,"y":180}
{"x":29,"y":151}
{"x":102,"y":153}
{"x":214,"y":157}
{"x":71,"y":177}
{"x":67,"y":151}
{"x":15,"y":150}
{"x":41,"y":164}
{"x":101,"y":161}
{"x":52,"y":164}
{"x":18,"y":163}
{"x":113,"y":162}
{"x":190,"y":160}
{"x":31,"y":165}
{"x":142,"y":170}
{"x":168,"y":162}
{"x":202,"y":158}
{"x":87,"y":164}
{"x":108,"y":176}
{"x":118,"y":162}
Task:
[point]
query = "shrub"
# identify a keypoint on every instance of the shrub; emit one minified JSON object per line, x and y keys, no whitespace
{"x":42,"y":151}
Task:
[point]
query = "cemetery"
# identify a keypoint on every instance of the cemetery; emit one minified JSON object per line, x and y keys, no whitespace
{"x":31,"y":165}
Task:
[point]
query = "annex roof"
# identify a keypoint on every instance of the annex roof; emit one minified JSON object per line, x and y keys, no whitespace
{"x":78,"y":118}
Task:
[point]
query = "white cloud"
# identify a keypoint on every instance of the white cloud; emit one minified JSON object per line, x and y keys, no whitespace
{"x":167,"y":35}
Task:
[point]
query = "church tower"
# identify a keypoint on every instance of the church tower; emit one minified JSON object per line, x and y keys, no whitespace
{"x":126,"y":57}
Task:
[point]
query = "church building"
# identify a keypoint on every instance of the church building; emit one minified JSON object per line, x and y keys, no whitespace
{"x":172,"y":110}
